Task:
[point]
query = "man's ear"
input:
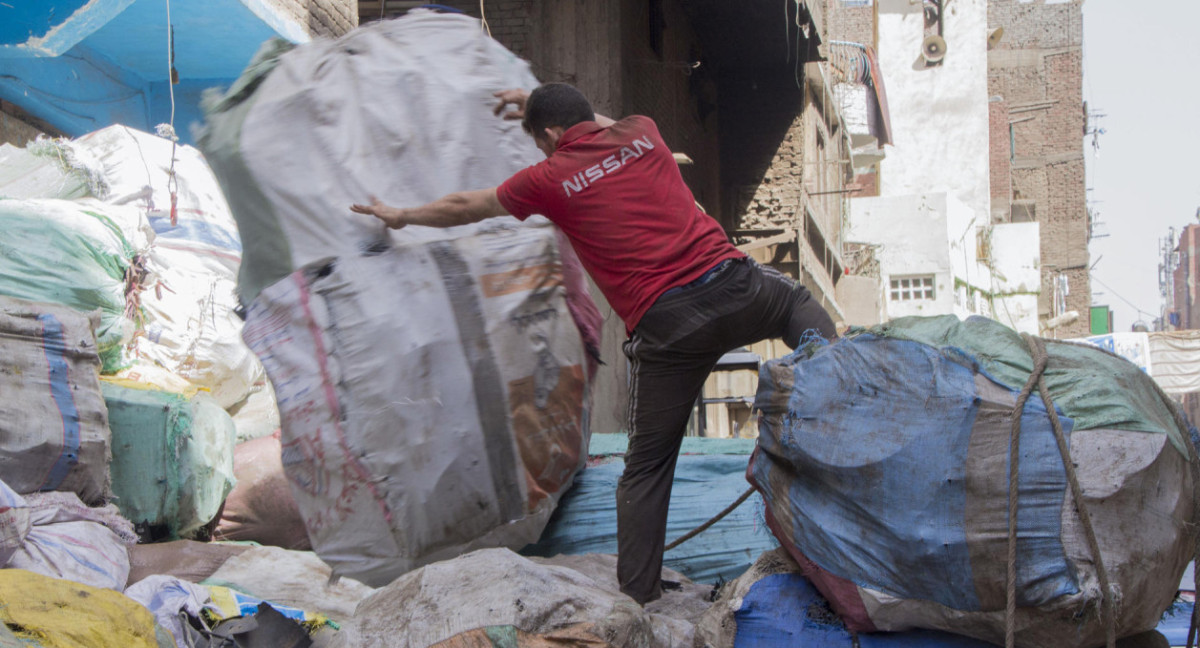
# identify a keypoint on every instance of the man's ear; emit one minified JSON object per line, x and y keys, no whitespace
{"x":553,"y":134}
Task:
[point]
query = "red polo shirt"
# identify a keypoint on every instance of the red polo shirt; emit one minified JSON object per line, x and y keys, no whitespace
{"x":617,"y":193}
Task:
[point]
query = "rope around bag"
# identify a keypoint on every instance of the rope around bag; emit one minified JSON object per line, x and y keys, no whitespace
{"x":1194,"y":466}
{"x":1037,"y":350}
{"x":1041,"y":359}
{"x":713,"y":520}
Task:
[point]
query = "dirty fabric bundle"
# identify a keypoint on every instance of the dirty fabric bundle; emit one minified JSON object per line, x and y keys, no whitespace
{"x":883,"y":459}
{"x":431,"y":382}
{"x":54,"y":431}
{"x":494,"y":597}
{"x":69,"y":540}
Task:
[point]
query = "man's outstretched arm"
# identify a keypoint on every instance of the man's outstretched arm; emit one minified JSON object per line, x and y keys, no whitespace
{"x":455,"y":209}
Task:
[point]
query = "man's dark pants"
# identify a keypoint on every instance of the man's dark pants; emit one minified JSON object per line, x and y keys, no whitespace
{"x":671,"y":352}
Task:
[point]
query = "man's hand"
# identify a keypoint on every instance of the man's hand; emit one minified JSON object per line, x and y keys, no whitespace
{"x":516,"y":97}
{"x":391,"y":216}
{"x":448,"y":211}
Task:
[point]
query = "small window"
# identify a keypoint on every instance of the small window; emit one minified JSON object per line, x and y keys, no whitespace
{"x":912,"y":288}
{"x":1023,"y":211}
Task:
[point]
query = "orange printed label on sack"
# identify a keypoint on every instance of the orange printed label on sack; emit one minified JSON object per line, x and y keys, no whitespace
{"x":547,"y":423}
{"x":526,"y":278}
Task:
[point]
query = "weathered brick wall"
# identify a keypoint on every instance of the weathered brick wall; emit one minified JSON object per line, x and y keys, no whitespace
{"x":321,"y":17}
{"x":774,"y":200}
{"x":850,"y":21}
{"x":569,"y":41}
{"x":1035,"y":79}
{"x":1186,"y":278}
{"x":512,"y":22}
{"x":999,"y":163}
{"x":1036,"y":24}
{"x":803,"y":169}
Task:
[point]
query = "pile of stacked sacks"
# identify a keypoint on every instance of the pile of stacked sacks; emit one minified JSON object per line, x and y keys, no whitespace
{"x":125,"y":386}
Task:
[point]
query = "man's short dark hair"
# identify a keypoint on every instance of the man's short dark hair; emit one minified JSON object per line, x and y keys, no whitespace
{"x":555,"y":104}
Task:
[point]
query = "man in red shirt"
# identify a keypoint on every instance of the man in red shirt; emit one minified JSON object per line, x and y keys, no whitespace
{"x":687,"y":296}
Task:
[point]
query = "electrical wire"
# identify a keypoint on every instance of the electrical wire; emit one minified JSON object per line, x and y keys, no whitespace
{"x":1110,"y":289}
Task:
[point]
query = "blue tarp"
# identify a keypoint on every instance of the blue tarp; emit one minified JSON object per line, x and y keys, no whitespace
{"x":1175,"y":622}
{"x":786,"y":611}
{"x":586,"y":518}
{"x":868,"y":470}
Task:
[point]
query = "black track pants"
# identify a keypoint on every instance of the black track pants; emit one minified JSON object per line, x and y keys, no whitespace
{"x":675,"y":346}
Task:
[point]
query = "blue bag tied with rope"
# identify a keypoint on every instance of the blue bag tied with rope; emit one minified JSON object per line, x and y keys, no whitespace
{"x":884,"y":462}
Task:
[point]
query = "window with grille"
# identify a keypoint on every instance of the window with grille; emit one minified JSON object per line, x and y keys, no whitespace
{"x":912,"y":288}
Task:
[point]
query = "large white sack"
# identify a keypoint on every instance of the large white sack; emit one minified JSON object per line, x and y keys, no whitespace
{"x":430,"y":382}
{"x":53,"y":421}
{"x":39,"y":172}
{"x":433,"y":396}
{"x":191,"y":327}
{"x":400,"y":109}
{"x":186,"y":321}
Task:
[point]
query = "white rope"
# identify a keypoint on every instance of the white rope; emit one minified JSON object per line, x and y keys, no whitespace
{"x":171,"y":64}
{"x":483,"y":20}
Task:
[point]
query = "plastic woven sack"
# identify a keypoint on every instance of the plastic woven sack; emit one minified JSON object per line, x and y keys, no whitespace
{"x":431,"y":383}
{"x":172,"y":457}
{"x":190,"y":326}
{"x":401,"y":109}
{"x":53,"y":423}
{"x":883,"y":459}
{"x":438,"y":411}
{"x":516,"y":601}
{"x":75,"y":542}
{"x":61,"y":614}
{"x":185,"y":319}
{"x":77,"y":255}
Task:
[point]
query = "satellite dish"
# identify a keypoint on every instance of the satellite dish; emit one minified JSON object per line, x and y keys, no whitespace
{"x":933,"y":49}
{"x":994,"y":37}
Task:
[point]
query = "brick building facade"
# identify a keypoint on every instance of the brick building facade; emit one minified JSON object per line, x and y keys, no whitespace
{"x":1035,"y":83}
{"x":320,"y":17}
{"x":1185,"y":284}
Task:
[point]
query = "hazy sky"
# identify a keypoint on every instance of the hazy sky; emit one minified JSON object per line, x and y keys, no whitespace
{"x":1137,"y":66}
